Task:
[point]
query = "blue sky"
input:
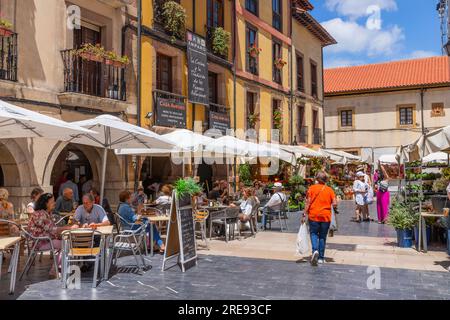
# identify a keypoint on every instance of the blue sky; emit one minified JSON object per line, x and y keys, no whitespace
{"x":392,"y":30}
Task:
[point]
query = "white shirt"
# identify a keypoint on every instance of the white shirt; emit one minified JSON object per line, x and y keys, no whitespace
{"x":246,"y":207}
{"x":360,"y":186}
{"x":163,"y":200}
{"x":276,"y":200}
{"x":448,"y":188}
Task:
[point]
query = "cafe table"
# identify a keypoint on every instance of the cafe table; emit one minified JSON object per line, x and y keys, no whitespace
{"x":107,"y":233}
{"x":155,"y":219}
{"x":6,"y":243}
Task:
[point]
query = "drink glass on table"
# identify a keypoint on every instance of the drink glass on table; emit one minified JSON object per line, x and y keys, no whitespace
{"x":446,"y":211}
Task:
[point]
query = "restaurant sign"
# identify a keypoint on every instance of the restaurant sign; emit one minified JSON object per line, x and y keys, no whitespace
{"x":197,"y":69}
{"x":170,"y":113}
{"x":219,"y":121}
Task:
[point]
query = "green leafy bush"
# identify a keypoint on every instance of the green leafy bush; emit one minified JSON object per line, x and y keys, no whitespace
{"x":187,"y":187}
{"x":245,"y":174}
{"x":221,"y":41}
{"x":401,"y":216}
{"x":440,"y":185}
{"x":174,"y":19}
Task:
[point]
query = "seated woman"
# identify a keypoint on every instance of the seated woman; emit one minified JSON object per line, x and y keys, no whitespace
{"x":6,"y":207}
{"x":166,"y":197}
{"x":41,"y":224}
{"x":130,"y":218}
{"x":249,"y":201}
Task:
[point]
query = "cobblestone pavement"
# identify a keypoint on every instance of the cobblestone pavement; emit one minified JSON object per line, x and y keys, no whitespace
{"x":266,"y":267}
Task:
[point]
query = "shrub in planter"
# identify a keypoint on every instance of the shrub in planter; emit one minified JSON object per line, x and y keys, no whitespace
{"x":174,"y":19}
{"x":403,"y":220}
{"x":221,"y":41}
{"x":277,"y":119}
{"x":245,"y":174}
{"x":91,"y":52}
{"x":185,"y":189}
{"x":5,"y":28}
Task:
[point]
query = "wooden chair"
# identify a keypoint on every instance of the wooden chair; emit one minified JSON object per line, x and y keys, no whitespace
{"x":200,"y":219}
{"x":79,"y":246}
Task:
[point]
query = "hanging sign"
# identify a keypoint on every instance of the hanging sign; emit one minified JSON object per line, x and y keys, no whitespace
{"x":170,"y":113}
{"x":219,"y":121}
{"x":197,"y":69}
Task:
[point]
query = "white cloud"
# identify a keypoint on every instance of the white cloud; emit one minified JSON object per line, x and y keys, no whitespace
{"x":342,"y":62}
{"x":421,"y":54}
{"x":358,"y":8}
{"x":355,"y":38}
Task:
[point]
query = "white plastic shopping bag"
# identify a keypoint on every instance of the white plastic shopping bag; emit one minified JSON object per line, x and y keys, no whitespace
{"x":302,"y":240}
{"x":369,"y":197}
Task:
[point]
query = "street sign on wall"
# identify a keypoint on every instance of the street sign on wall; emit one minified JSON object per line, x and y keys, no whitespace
{"x":197,"y":69}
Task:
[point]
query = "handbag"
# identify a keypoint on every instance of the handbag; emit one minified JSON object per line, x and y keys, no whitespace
{"x":383,"y":186}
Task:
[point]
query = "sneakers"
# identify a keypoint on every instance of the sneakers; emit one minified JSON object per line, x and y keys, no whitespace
{"x":321,"y":261}
{"x":315,"y":258}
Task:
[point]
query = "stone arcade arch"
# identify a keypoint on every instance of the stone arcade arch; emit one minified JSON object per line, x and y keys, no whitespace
{"x":114,"y":170}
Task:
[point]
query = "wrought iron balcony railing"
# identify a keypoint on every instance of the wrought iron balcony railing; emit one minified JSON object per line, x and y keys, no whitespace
{"x":302,"y":135}
{"x":8,"y":57}
{"x":93,"y":78}
{"x":317,"y":136}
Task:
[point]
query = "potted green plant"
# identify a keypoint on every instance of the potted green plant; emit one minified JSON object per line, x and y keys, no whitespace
{"x":91,"y":52}
{"x":253,"y":119}
{"x":5,"y":28}
{"x":279,"y":63}
{"x":174,"y":19}
{"x":298,"y":191}
{"x":185,"y":189}
{"x":403,"y":220}
{"x":245,"y":174}
{"x":221,"y":41}
{"x":440,"y":201}
{"x":254,"y":51}
{"x":277,"y":119}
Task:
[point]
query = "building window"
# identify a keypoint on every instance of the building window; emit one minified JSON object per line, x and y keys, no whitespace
{"x":251,"y":40}
{"x":300,"y":74}
{"x":252,"y":116}
{"x":346,"y":118}
{"x":437,"y":110}
{"x":215,"y":13}
{"x":212,"y":82}
{"x":164,"y":73}
{"x":406,"y":116}
{"x":277,"y":117}
{"x":252,"y":6}
{"x":276,"y":54}
{"x":277,"y":21}
{"x":302,"y":130}
{"x":314,"y":79}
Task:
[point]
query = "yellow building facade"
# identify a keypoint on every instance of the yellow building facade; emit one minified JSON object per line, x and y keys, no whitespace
{"x":256,"y":82}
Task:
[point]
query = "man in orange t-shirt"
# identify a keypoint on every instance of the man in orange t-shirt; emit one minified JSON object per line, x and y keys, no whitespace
{"x":319,"y":200}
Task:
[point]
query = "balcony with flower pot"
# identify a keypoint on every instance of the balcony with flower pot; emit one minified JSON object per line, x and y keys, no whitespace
{"x":218,"y":41}
{"x":8,"y":52}
{"x":95,"y":78}
{"x":170,"y":19}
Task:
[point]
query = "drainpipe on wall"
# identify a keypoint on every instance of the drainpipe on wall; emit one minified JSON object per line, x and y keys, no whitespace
{"x":323,"y":105}
{"x":194,"y":31}
{"x":234,"y":82}
{"x":422,"y":94}
{"x":138,"y":87}
{"x":291,"y":63}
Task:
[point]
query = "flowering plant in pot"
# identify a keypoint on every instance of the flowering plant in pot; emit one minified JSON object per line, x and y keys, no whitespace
{"x":89,"y":51}
{"x":254,"y":51}
{"x":5,"y":28}
{"x":279,"y":63}
{"x":185,"y":189}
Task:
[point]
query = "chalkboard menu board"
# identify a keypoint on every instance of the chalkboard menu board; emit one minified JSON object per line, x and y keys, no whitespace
{"x":219,"y":121}
{"x":180,"y":241}
{"x":197,"y":69}
{"x":170,"y":113}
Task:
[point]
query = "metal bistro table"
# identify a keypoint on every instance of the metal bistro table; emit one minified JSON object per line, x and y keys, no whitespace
{"x":423,"y":229}
{"x":107,"y":233}
{"x":6,"y":243}
{"x":155,"y":219}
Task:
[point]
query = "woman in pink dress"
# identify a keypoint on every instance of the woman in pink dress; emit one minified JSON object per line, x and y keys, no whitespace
{"x":383,"y":196}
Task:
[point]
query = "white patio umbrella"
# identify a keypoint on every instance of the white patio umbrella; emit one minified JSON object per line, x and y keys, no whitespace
{"x":17,"y":122}
{"x":341,"y":157}
{"x":302,"y":152}
{"x":114,"y":133}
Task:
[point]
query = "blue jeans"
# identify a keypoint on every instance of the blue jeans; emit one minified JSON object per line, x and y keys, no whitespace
{"x":318,"y":232}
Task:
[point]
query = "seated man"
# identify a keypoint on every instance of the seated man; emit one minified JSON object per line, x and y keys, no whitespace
{"x":90,"y":214}
{"x":64,"y":203}
{"x":139,"y":198}
{"x":215,"y":194}
{"x":275,"y":203}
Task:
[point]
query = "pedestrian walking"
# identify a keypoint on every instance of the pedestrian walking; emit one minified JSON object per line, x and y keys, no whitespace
{"x":320,"y":199}
{"x":381,"y":179}
{"x":361,"y":190}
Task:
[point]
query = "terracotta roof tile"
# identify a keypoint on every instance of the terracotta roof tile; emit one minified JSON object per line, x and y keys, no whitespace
{"x":397,"y":74}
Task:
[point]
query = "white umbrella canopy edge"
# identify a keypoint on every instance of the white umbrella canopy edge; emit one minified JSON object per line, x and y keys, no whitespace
{"x":17,"y":122}
{"x":114,"y":133}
